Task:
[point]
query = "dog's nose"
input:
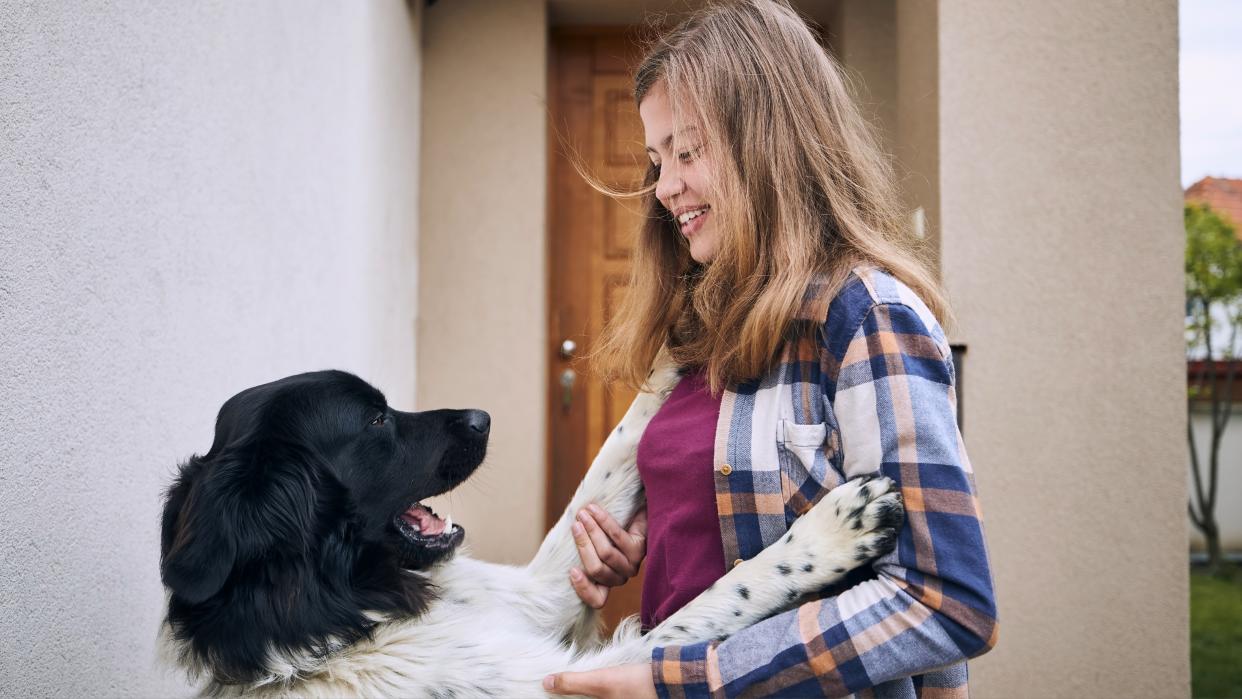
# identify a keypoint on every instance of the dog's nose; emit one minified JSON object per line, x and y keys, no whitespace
{"x":478,"y":420}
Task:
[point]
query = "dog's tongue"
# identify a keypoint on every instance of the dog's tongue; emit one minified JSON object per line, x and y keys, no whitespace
{"x":428,"y":524}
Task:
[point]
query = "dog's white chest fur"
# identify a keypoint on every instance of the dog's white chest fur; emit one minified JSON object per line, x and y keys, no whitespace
{"x":476,"y":640}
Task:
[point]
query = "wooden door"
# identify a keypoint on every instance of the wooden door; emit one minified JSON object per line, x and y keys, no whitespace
{"x":592,"y":115}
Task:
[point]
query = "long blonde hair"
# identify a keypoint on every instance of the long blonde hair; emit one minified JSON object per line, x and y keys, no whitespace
{"x":801,"y":192}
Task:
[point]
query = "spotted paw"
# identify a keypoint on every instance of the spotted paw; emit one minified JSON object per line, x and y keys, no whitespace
{"x":864,"y":514}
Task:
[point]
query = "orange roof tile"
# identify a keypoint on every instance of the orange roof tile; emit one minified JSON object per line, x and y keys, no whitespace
{"x":1223,"y":195}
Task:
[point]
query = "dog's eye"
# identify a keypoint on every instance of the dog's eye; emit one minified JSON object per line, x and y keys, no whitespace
{"x":380,"y":420}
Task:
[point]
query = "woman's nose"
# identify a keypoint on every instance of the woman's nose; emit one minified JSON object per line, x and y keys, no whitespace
{"x":669,"y":185}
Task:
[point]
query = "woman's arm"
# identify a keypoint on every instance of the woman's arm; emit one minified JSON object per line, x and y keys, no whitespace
{"x":931,"y":604}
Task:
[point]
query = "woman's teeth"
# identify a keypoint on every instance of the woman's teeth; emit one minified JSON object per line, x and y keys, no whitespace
{"x":690,"y":215}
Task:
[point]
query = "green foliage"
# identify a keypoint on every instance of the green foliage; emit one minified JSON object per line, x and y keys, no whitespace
{"x":1213,"y":270}
{"x":1213,"y":256}
{"x":1215,"y":635}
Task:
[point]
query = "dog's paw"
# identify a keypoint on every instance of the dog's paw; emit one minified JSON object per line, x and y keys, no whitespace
{"x":863,"y":513}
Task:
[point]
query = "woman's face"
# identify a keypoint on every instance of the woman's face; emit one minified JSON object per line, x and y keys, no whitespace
{"x":685,"y":173}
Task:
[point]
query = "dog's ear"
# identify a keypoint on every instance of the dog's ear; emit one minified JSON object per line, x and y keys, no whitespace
{"x":234,"y":507}
{"x":198,"y":549}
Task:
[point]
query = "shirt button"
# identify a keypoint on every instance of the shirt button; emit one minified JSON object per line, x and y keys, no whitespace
{"x":726,"y":469}
{"x":737,"y":563}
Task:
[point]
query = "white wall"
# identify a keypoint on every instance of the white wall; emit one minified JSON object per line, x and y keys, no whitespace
{"x":194,"y":198}
{"x":1229,"y":485}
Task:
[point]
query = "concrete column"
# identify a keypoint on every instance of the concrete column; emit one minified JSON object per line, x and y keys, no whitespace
{"x":482,"y":294}
{"x":1061,"y":245}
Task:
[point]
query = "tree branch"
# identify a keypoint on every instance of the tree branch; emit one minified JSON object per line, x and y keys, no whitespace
{"x":1194,"y":464}
{"x":1230,"y":373}
{"x":1195,"y":520}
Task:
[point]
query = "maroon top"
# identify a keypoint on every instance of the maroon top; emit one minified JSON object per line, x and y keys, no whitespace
{"x":684,"y":550}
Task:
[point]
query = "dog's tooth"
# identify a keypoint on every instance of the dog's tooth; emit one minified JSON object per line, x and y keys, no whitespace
{"x":448,"y":523}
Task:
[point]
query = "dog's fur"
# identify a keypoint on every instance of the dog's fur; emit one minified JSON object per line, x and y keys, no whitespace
{"x":290,"y":573}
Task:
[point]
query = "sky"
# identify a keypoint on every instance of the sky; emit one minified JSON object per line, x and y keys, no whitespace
{"x":1211,"y":88}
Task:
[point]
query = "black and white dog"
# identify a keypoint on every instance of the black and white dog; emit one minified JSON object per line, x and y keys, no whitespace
{"x":300,"y":561}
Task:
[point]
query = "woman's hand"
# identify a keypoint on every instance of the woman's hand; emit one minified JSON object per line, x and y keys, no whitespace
{"x":620,"y":682}
{"x":610,"y":555}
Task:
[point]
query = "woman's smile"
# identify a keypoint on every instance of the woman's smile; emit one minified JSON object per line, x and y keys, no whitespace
{"x":692,"y":219}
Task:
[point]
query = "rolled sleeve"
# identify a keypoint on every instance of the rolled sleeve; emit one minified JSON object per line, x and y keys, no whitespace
{"x":681,"y":672}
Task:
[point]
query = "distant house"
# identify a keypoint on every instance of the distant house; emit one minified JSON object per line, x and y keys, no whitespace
{"x":1224,"y":196}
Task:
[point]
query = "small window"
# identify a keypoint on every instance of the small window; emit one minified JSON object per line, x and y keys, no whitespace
{"x":959,"y":353}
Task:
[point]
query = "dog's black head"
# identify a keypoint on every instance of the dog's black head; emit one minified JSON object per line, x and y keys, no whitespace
{"x":304,"y":521}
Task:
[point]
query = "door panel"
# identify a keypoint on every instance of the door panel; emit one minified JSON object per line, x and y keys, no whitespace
{"x":592,"y":116}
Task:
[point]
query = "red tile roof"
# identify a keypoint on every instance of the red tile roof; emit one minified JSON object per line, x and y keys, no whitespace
{"x":1223,"y":195}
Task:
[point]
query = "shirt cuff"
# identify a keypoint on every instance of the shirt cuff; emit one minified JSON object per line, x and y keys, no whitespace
{"x":681,"y":672}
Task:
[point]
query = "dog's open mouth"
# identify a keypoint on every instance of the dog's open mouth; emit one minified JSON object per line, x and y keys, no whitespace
{"x":422,"y":528}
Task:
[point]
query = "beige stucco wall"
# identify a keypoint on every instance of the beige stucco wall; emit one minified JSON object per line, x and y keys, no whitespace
{"x":915,"y":141}
{"x":863,"y":36}
{"x":1061,"y":247}
{"x":889,"y":50}
{"x":482,"y":319}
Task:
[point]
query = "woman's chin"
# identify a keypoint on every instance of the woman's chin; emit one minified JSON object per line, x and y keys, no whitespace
{"x":702,"y":251}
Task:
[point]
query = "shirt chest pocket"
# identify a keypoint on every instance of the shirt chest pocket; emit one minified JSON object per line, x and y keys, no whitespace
{"x":804,"y":442}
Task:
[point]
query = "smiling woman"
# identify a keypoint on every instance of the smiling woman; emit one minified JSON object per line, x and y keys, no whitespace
{"x":749,"y":127}
{"x":774,"y":265}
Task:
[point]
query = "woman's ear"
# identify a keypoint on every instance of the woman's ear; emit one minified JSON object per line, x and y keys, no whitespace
{"x":198,"y":545}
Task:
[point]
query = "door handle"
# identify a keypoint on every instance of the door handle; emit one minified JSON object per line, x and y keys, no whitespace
{"x":567,"y":388}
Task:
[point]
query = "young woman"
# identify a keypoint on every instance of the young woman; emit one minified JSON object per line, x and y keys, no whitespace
{"x":774,"y":263}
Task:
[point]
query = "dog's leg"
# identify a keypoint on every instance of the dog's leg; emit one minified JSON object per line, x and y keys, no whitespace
{"x":852,"y":524}
{"x":613,"y":483}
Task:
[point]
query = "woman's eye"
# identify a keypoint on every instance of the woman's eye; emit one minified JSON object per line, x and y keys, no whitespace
{"x":380,"y":420}
{"x":689,"y":155}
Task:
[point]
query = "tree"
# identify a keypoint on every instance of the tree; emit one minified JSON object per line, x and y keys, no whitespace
{"x":1213,"y":320}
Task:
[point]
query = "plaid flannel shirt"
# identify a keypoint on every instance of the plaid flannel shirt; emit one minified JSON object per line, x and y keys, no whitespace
{"x":868,"y":388}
